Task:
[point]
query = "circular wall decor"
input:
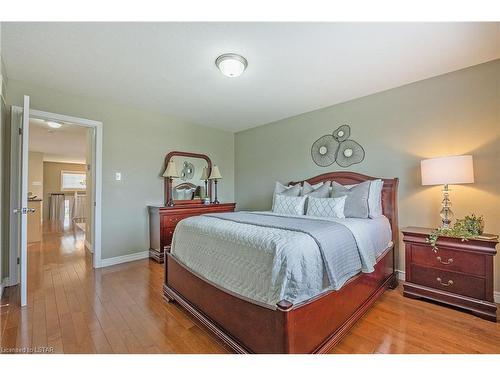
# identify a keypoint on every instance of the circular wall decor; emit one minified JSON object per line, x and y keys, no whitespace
{"x":342,"y":133}
{"x":350,"y":152}
{"x":324,"y":150}
{"x":338,"y":148}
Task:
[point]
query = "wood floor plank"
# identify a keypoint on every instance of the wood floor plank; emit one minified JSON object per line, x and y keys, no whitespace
{"x":73,"y":308}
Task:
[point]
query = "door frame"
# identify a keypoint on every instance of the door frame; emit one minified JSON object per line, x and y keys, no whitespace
{"x":97,"y":182}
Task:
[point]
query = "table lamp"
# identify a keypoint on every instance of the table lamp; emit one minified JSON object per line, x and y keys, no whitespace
{"x":204,"y":177}
{"x":215,"y":176}
{"x":446,"y":171}
{"x":171,"y":173}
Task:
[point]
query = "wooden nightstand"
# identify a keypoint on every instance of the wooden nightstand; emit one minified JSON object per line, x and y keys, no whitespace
{"x":459,"y":273}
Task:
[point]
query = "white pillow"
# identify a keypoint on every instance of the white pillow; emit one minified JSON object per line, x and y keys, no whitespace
{"x":287,"y":205}
{"x":326,"y":207}
{"x":374,"y":198}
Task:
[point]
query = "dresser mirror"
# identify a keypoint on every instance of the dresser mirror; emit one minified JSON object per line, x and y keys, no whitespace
{"x":192,"y":171}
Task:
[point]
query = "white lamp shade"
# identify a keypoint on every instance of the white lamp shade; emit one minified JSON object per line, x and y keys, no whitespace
{"x":204,"y":174}
{"x":171,"y":170}
{"x":447,"y":170}
{"x":215,"y":175}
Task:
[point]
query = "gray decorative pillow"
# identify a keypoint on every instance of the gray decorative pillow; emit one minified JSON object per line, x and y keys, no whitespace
{"x":374,"y":198}
{"x":356,"y":203}
{"x":291,"y":190}
{"x":286,"y":205}
{"x":322,"y":191}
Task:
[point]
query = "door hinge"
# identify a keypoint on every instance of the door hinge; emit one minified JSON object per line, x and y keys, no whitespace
{"x":18,"y":260}
{"x":95,"y":204}
{"x":20,"y":131}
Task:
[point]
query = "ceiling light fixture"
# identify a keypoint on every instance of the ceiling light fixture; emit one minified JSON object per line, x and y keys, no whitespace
{"x":231,"y":64}
{"x":54,"y":125}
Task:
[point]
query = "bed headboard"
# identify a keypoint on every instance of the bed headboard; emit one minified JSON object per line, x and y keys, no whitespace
{"x":389,"y":192}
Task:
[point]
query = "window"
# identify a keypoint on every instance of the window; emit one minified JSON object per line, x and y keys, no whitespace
{"x":73,"y":180}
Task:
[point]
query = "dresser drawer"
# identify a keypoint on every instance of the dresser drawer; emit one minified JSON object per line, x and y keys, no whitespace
{"x":170,"y":221}
{"x":452,"y":282}
{"x":167,"y":235}
{"x":448,"y":260}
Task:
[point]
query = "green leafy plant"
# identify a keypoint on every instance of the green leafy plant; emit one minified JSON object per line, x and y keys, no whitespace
{"x":465,"y":229}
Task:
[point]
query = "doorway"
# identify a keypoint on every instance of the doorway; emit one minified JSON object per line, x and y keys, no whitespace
{"x":78,"y":208}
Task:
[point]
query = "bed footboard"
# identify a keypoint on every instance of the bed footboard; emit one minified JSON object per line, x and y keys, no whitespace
{"x":314,"y":326}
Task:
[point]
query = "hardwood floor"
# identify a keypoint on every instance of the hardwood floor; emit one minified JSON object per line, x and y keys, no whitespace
{"x":75,"y":309}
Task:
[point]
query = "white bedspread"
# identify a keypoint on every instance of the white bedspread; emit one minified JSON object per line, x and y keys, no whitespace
{"x":266,"y":265}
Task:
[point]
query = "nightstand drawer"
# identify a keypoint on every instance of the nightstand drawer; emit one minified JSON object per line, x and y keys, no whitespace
{"x":448,"y":260}
{"x":452,"y":282}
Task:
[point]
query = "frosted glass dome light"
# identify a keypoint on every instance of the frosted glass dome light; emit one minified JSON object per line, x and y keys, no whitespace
{"x":231,"y":64}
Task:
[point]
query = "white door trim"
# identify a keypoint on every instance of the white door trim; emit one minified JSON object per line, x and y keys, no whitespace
{"x":15,"y":193}
{"x":97,"y":170}
{"x":23,"y":202}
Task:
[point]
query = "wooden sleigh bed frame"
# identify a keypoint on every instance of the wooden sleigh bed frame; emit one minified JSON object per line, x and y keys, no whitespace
{"x":312,"y":326}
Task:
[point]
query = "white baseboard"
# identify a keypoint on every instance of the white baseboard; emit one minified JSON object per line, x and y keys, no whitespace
{"x":401,"y":276}
{"x":124,"y":258}
{"x":88,"y":246}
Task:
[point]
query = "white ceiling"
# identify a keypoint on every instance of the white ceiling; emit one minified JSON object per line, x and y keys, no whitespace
{"x":292,"y":67}
{"x":64,"y":145}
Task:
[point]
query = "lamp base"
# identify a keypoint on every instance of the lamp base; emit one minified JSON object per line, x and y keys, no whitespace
{"x":446,"y":212}
{"x":215,"y":201}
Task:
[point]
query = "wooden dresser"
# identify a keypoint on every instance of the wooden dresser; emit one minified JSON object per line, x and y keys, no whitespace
{"x":162,"y":222}
{"x":458,"y":273}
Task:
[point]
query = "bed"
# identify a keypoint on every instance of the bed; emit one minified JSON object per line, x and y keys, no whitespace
{"x":278,"y":320}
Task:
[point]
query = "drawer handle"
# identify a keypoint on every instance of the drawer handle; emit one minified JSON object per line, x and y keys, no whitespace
{"x":440,"y":281}
{"x":449,"y":261}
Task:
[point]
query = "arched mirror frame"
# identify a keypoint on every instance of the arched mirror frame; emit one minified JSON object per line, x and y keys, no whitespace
{"x":167,"y":187}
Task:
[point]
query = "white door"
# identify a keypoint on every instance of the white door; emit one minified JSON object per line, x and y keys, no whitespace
{"x":20,"y":224}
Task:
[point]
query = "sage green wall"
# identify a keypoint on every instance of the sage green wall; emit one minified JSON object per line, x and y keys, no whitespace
{"x":456,"y":113}
{"x":3,"y":134}
{"x":3,"y":246}
{"x":134,"y":143}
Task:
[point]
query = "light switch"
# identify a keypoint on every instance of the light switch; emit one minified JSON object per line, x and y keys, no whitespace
{"x":118,"y":176}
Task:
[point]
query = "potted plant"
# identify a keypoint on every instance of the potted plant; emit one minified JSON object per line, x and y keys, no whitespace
{"x":468,"y":227}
